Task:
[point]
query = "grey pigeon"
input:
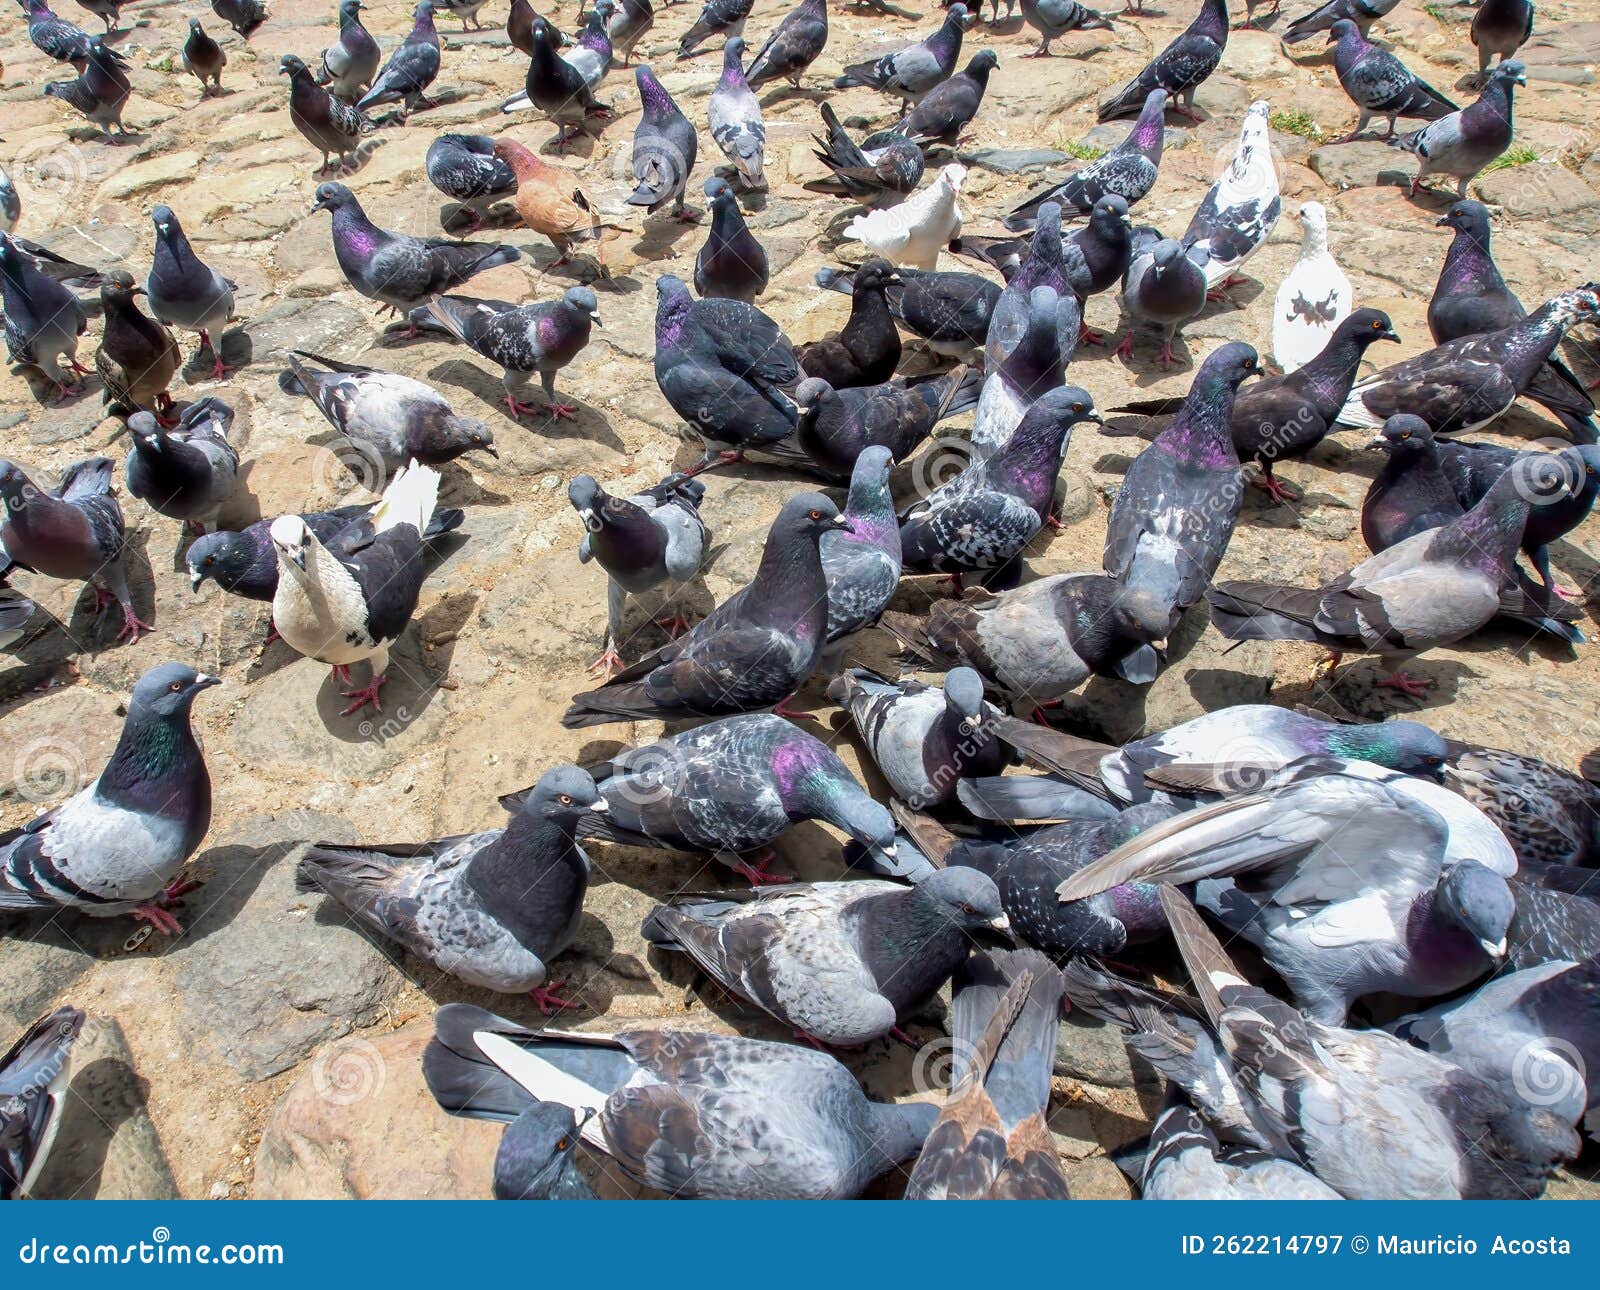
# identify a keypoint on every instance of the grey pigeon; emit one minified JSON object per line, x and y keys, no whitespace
{"x":950,"y":311}
{"x":466,"y":10}
{"x":734,"y":115}
{"x":328,"y":124}
{"x":244,"y":16}
{"x":641,"y":542}
{"x":718,"y":18}
{"x":1174,"y":514}
{"x":1054,"y":18}
{"x":108,"y":11}
{"x":1549,"y":815}
{"x":101,"y":90}
{"x":664,"y":146}
{"x":691,"y":1115}
{"x":53,"y":36}
{"x":753,"y":651}
{"x":1128,"y":171}
{"x":1164,"y":287}
{"x":945,"y":110}
{"x":590,"y":53}
{"x":16,"y":613}
{"x":1034,"y":345}
{"x":204,"y":59}
{"x":838,"y":426}
{"x":535,"y":1158}
{"x":1179,"y":69}
{"x":464,"y":167}
{"x":912,"y":71}
{"x":411,"y":69}
{"x":891,"y":169}
{"x":491,"y":908}
{"x":33,"y":1089}
{"x":1461,"y":144}
{"x":184,"y":291}
{"x":862,"y":563}
{"x":866,"y":350}
{"x":732,"y":265}
{"x":555,"y":86}
{"x":627,"y":26}
{"x":76,"y":532}
{"x":43,"y":318}
{"x":1500,"y":27}
{"x":189,"y":471}
{"x":1361,"y":12}
{"x":350,"y":64}
{"x":1185,"y":1161}
{"x":792,"y":47}
{"x":1378,"y":83}
{"x":1048,"y":261}
{"x":119,"y":845}
{"x":731,"y":788}
{"x":523,"y":339}
{"x":391,"y":419}
{"x":887,"y":947}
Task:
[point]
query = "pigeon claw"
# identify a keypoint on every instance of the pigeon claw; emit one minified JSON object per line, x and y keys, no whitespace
{"x":519,"y":409}
{"x":1413,"y":687}
{"x":548,"y":1001}
{"x":562,"y":411}
{"x":367,"y":694}
{"x":1088,"y":336}
{"x":1275,"y":489}
{"x":758,"y":874}
{"x":132,"y":625}
{"x":159,"y":918}
{"x":675,"y":626}
{"x":609,"y":661}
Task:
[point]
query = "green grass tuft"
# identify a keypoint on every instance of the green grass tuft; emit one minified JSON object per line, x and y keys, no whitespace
{"x":1296,"y":121}
{"x":1080,"y":151}
{"x":1517,"y":155}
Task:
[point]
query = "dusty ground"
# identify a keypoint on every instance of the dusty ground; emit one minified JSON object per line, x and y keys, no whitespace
{"x":270,"y":1000}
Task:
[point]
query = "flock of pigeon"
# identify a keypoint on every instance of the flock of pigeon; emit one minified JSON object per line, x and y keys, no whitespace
{"x":1415,"y":907}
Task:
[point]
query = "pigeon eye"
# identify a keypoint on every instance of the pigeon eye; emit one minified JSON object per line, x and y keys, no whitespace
{"x":1375,"y":326}
{"x":967,"y":909}
{"x":816,"y":515}
{"x":565,"y":799}
{"x":209,"y":561}
{"x":561,"y":1145}
{"x":1077,"y":407}
{"x":1405,"y":434}
{"x":176,"y":686}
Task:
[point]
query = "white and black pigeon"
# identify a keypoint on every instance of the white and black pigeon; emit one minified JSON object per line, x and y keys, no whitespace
{"x":119,"y":845}
{"x":887,"y":947}
{"x":723,"y":18}
{"x":186,"y":472}
{"x":348,"y":600}
{"x":914,"y":232}
{"x":642,"y":542}
{"x":910,"y":72}
{"x":464,"y":167}
{"x":34,"y":1075}
{"x":753,"y":651}
{"x":76,"y":532}
{"x":186,"y":292}
{"x":1179,"y":68}
{"x":1128,"y":171}
{"x":1361,"y":12}
{"x":1313,"y":298}
{"x":43,"y":318}
{"x":491,"y":908}
{"x":1462,"y":144}
{"x":732,"y":264}
{"x":411,"y":68}
{"x":1030,"y":367}
{"x":1164,"y":287}
{"x":1378,"y":83}
{"x":664,"y":146}
{"x":1184,"y":1160}
{"x":734,"y":115}
{"x":350,"y":64}
{"x":390,"y":419}
{"x":691,"y":1115}
{"x":793,"y":46}
{"x":1240,"y":210}
{"x":862,"y":563}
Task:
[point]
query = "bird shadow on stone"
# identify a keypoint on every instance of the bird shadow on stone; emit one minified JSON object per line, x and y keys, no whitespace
{"x":45,"y":394}
{"x":95,"y":631}
{"x":661,"y":233}
{"x":773,"y":97}
{"x":1583,"y":570}
{"x":582,"y":144}
{"x":1354,"y":687}
{"x":456,"y":219}
{"x":412,"y":685}
{"x":88,"y":135}
{"x":238,"y":351}
{"x":101,"y":1098}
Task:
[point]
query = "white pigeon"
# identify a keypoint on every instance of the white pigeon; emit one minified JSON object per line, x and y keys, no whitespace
{"x":1241,"y":209}
{"x":735,"y":115}
{"x":1313,"y":300}
{"x":915,"y":231}
{"x":350,"y":599}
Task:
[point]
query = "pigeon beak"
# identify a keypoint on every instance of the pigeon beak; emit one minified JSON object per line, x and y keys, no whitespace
{"x":299,"y":558}
{"x":163,"y":228}
{"x":1442,"y":222}
{"x":1095,"y":417}
{"x":839,"y":522}
{"x":599,"y":806}
{"x":491,"y":450}
{"x":196,"y":578}
{"x":318,"y":206}
{"x":1376,"y":443}
{"x":205,"y":681}
{"x":1494,"y":949}
{"x":591,"y":521}
{"x":594,"y":320}
{"x":1389,"y":333}
{"x":1001,"y":927}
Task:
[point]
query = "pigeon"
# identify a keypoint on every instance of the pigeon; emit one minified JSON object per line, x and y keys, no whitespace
{"x":523,"y":339}
{"x":100,"y":91}
{"x":1411,"y":494}
{"x":913,"y":232}
{"x":1500,"y":27}
{"x":641,"y":542}
{"x":549,"y":202}
{"x":1312,"y":300}
{"x":10,"y":204}
{"x":327,"y":123}
{"x":535,"y":1159}
{"x":992,"y":1138}
{"x":76,"y":532}
{"x":491,"y":908}
{"x":886,"y":947}
{"x":627,"y":26}
{"x":1179,"y":69}
{"x":753,"y":651}
{"x":410,"y":69}
{"x":108,"y":11}
{"x":390,"y":418}
{"x":892,"y":169}
{"x":1048,"y":261}
{"x":731,"y":788}
{"x":1463,"y":143}
{"x":55,"y":37}
{"x":1174,"y":513}
{"x":723,"y":366}
{"x":244,"y":16}
{"x":1106,"y":245}
{"x":184,"y":291}
{"x":664,"y":145}
{"x":718,"y":17}
{"x":204,"y":59}
{"x":1465,"y":384}
{"x":556,"y":87}
{"x":1163,"y":287}
{"x":466,"y":10}
{"x":1240,"y":210}
{"x":1040,"y":641}
{"x":187,"y":472}
{"x":1185,"y":1161}
{"x":792,"y":47}
{"x":34,"y":1075}
{"x":732,"y":265}
{"x":1546,"y":813}
{"x":688,"y":1114}
{"x":866,"y":350}
{"x":1361,"y":12}
{"x":861,"y":565}
{"x":950,"y":311}
{"x":467,"y":169}
{"x":1128,"y":171}
{"x":1055,"y":18}
{"x":838,"y":426}
{"x":912,"y":71}
{"x":1431,"y":589}
{"x":519,"y":26}
{"x":945,"y":110}
{"x":590,"y":54}
{"x":43,"y":318}
{"x":400,"y":272}
{"x":119,"y":845}
{"x":734,"y":114}
{"x":924,"y":740}
{"x":985,"y":517}
{"x":1378,"y":83}
{"x":350,"y":64}
{"x":1030,"y":368}
{"x":350,"y":599}
{"x":16,"y":613}
{"x":1471,"y":296}
{"x":1557,"y":919}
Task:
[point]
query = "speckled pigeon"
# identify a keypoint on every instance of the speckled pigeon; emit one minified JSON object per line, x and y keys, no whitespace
{"x":861,"y":564}
{"x":55,"y":37}
{"x":890,"y":169}
{"x":464,"y":167}
{"x":1378,"y":83}
{"x":1240,"y":210}
{"x":718,"y":17}
{"x":1179,"y":68}
{"x":411,"y":68}
{"x":1128,"y":171}
{"x":33,"y":1089}
{"x":1361,"y":12}
{"x":542,"y":337}
{"x":1185,"y":1161}
{"x":792,"y":47}
{"x":328,"y":124}
{"x":910,"y":72}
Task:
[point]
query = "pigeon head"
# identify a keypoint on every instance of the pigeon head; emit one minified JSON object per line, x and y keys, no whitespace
{"x":350,"y":8}
{"x":535,"y":1159}
{"x":1367,"y":326}
{"x":876,"y":274}
{"x":807,"y":516}
{"x":1342,"y":28}
{"x":292,"y":65}
{"x":1166,"y":254}
{"x":1141,"y":614}
{"x":563,"y":795}
{"x":810,"y":394}
{"x":583,"y":300}
{"x":604,"y":8}
{"x":166,"y":223}
{"x":1584,"y":461}
{"x":968,"y":899}
{"x":146,"y":431}
{"x":1476,"y":899}
{"x":1508,"y":73}
{"x":16,"y":489}
{"x":957,"y":15}
{"x":983,"y":62}
{"x":1108,"y":212}
{"x":953,"y":176}
{"x":963,"y":694}
{"x":194,"y":26}
{"x":118,"y":291}
{"x":423,"y":13}
{"x":168,"y":691}
{"x":226,"y":557}
{"x":588,"y":499}
{"x":542,"y":33}
{"x":1406,"y":746}
{"x":291,"y":539}
{"x":1469,"y":217}
{"x":673,"y":303}
{"x":865,"y":820}
{"x":475,"y":434}
{"x":1228,"y":367}
{"x":1402,"y":433}
{"x":719,"y":192}
{"x":334,"y":197}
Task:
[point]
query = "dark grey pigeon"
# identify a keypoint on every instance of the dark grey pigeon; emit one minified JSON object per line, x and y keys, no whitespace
{"x":466,"y":10}
{"x":1164,"y":287}
{"x":554,"y":86}
{"x":1054,"y":18}
{"x":753,"y":651}
{"x":723,"y":18}
{"x":1500,"y":27}
{"x":1048,"y":261}
{"x":866,"y":350}
{"x":186,"y":472}
{"x":837,"y":426}
{"x":55,"y":37}
{"x":1411,"y":493}
{"x":1034,"y":347}
{"x":1174,"y":513}
{"x":950,"y":311}
{"x":1461,"y":144}
{"x":642,"y":541}
{"x":76,"y":532}
{"x":328,"y":124}
{"x":400,"y":272}
{"x":1184,"y":1160}
{"x":43,"y":318}
{"x":523,"y":339}
{"x":244,"y":16}
{"x":16,"y":612}
{"x":535,"y":1159}
{"x":108,"y":11}
{"x":912,"y":71}
{"x":410,"y":69}
{"x":351,"y":62}
{"x":1361,"y":12}
{"x":862,"y":563}
{"x":204,"y":59}
{"x":1378,"y":83}
{"x":490,"y":908}
{"x":664,"y":147}
{"x":627,"y":26}
{"x":792,"y":47}
{"x":1558,"y":918}
{"x":100,"y":91}
{"x":692,"y":1115}
{"x":891,"y":169}
{"x":391,"y":419}
{"x":1180,"y":68}
{"x":1549,"y":815}
{"x":734,"y":115}
{"x":731,"y":788}
{"x":732,"y":265}
{"x":945,"y":110}
{"x":887,"y":947}
{"x":119,"y":845}
{"x":33,"y":1090}
{"x":184,"y":291}
{"x":464,"y":167}
{"x":1128,"y":171}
